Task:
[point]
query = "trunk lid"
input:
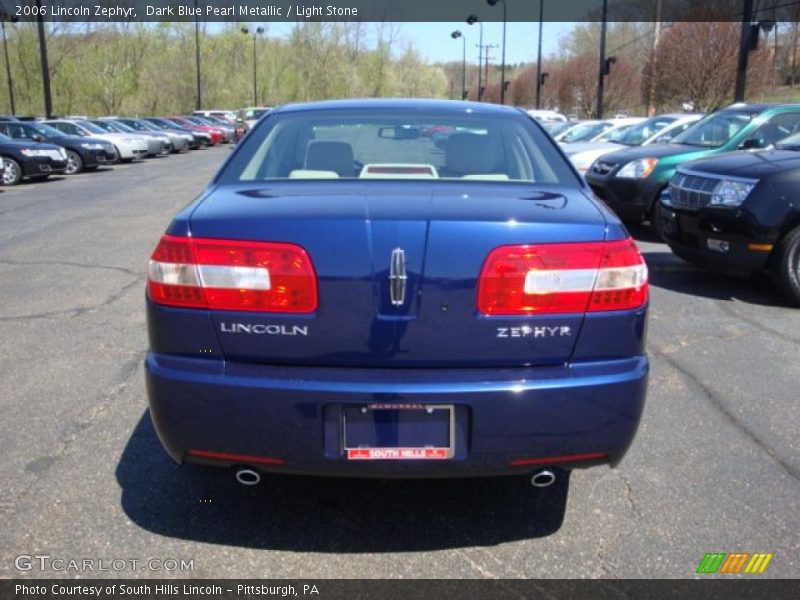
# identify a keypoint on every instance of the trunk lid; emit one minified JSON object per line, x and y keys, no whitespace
{"x":364,"y":237}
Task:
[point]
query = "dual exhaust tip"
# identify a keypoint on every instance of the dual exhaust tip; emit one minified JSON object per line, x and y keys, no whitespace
{"x":540,"y":479}
{"x":248,"y":477}
{"x":543,"y":479}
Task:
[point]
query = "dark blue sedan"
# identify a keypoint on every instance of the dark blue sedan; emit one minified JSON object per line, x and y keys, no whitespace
{"x":397,"y":288}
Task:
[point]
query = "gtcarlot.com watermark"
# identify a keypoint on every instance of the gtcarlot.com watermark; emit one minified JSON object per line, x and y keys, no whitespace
{"x":45,"y":562}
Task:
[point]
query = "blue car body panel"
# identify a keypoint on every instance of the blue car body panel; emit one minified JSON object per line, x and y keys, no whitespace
{"x":522,"y":387}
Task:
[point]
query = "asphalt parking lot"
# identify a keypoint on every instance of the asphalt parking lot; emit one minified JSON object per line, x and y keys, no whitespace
{"x":715,"y":466}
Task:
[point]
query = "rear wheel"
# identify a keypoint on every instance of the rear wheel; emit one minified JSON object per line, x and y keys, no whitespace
{"x":74,"y":163}
{"x":786,"y":266}
{"x":12,"y":173}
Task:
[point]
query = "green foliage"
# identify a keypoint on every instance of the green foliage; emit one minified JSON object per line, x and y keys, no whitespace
{"x":142,"y":69}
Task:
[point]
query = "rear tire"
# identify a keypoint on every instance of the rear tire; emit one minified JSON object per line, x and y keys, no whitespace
{"x":655,"y":220}
{"x":13,"y":172}
{"x":74,"y":163}
{"x":785,"y":269}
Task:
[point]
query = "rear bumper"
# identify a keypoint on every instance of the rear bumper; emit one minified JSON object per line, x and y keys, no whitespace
{"x":291,"y":415}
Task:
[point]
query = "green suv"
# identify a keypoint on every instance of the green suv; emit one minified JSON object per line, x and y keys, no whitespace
{"x":631,"y":180}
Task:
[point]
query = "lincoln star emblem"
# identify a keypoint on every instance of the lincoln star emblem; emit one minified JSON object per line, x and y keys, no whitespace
{"x":398,"y":277}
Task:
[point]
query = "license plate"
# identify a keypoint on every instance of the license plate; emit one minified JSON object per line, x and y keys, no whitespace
{"x":398,"y":432}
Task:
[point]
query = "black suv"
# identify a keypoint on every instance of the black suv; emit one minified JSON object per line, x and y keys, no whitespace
{"x":82,"y":153}
{"x":738,"y":213}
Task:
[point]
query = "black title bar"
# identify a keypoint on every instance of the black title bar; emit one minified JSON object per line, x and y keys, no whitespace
{"x":121,"y":11}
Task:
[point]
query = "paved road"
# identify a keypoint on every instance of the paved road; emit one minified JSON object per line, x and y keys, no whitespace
{"x":715,"y":466}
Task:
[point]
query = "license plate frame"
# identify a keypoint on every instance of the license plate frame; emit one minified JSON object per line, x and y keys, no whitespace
{"x":427,"y":452}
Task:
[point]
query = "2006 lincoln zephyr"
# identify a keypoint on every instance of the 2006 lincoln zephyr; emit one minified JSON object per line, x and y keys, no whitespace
{"x":397,"y":288}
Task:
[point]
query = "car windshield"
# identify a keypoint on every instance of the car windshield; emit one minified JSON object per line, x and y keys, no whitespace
{"x":585,"y":132}
{"x":88,"y":126}
{"x":105,"y":126}
{"x":790,"y":143}
{"x":715,"y":130}
{"x":378,"y":144}
{"x":556,"y":127}
{"x":636,"y":135}
{"x":123,"y":127}
{"x":46,"y":130}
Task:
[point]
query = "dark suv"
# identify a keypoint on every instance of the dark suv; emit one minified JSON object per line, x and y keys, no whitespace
{"x":631,"y":180}
{"x":738,"y":213}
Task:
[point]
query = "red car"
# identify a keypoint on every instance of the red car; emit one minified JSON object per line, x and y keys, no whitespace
{"x":217,"y":135}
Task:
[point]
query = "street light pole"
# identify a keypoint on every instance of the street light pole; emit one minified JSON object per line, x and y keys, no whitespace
{"x":744,"y":51}
{"x":48,"y":100}
{"x":539,"y":58}
{"x":198,"y":100}
{"x":602,"y":73}
{"x":503,"y":59}
{"x":257,"y":32}
{"x":455,"y":35}
{"x":471,"y":20}
{"x":8,"y":70}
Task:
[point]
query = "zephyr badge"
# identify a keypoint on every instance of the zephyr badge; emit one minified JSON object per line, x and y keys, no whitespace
{"x":397,"y":277}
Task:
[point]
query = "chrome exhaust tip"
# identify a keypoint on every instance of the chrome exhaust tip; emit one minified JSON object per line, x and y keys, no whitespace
{"x":248,"y":477}
{"x":543,"y":479}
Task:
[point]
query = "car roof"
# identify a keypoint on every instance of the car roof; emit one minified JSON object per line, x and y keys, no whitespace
{"x":401,"y":104}
{"x":759,"y":108}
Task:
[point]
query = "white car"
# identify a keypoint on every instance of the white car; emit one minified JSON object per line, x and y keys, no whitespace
{"x":128,"y":147}
{"x":595,"y":130}
{"x":250,"y":116}
{"x":227,"y":115}
{"x":156,"y":144}
{"x":546,"y":115}
{"x":655,"y":130}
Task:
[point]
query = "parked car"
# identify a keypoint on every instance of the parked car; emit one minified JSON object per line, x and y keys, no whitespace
{"x":239,"y":129}
{"x":228,"y":131}
{"x":556,"y":128}
{"x":631,"y":180}
{"x":202,"y":138}
{"x":228,"y":116}
{"x":28,"y":159}
{"x":217,"y":135}
{"x":738,"y":213}
{"x":127,"y":147}
{"x":547,"y":115}
{"x":594,"y":131}
{"x":179,"y":142}
{"x":654,"y":130}
{"x":317,"y":309}
{"x":82,"y":154}
{"x":158,"y":144}
{"x":250,"y":116}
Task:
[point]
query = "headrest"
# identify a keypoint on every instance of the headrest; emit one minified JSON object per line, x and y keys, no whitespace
{"x":330,"y":156}
{"x":469,"y":153}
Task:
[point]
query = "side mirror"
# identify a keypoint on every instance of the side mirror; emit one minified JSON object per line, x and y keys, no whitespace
{"x":37,"y":137}
{"x":752,"y":144}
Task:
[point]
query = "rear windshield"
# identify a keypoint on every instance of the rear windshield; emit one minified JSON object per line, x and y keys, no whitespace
{"x":362,"y":144}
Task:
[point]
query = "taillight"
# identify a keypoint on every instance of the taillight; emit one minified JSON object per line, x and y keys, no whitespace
{"x":232,"y":275}
{"x":562,"y":278}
